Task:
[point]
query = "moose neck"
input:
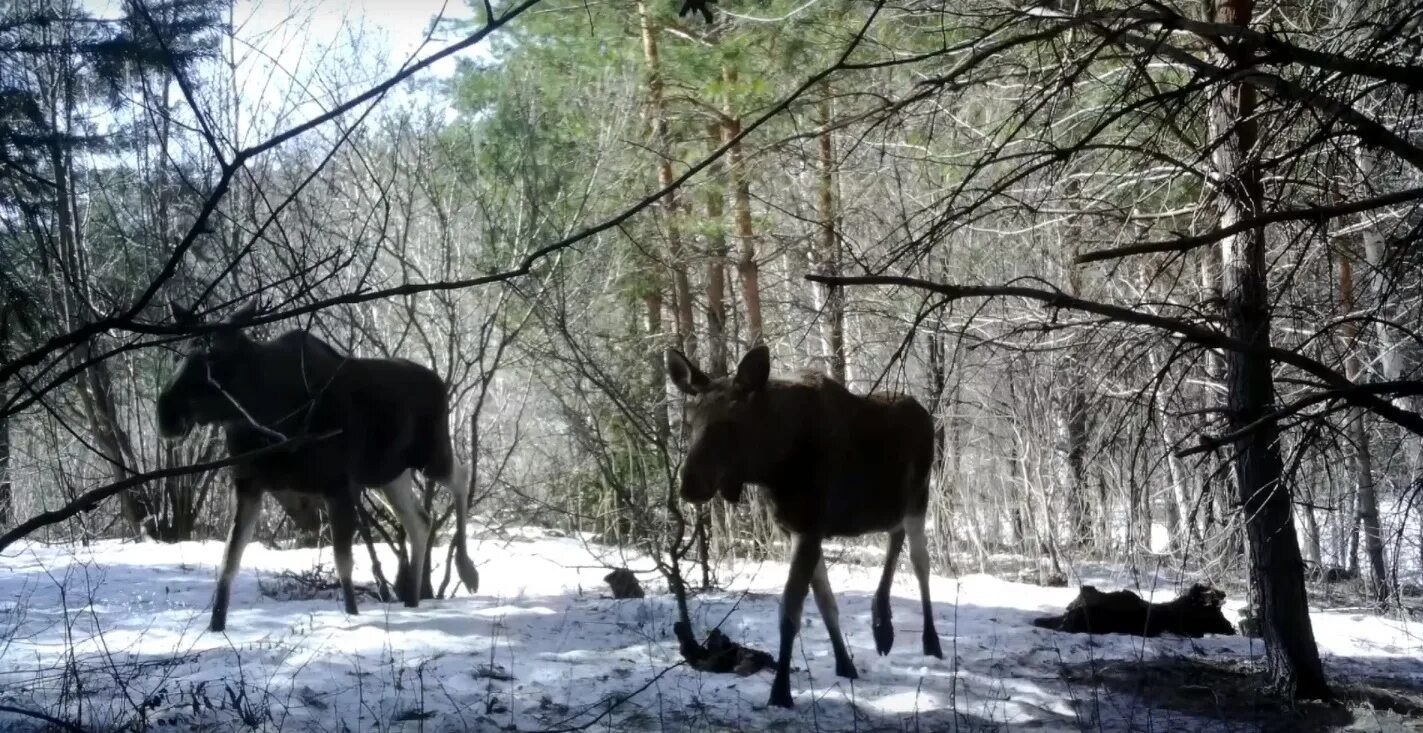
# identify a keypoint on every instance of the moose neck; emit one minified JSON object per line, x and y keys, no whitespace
{"x":782,"y":412}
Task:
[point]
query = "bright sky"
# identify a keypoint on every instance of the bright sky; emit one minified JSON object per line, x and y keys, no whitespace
{"x":289,"y":29}
{"x":332,"y":49}
{"x":296,"y":57}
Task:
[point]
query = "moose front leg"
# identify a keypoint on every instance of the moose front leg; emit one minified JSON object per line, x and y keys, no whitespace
{"x":881,"y":622}
{"x":244,"y":520}
{"x":343,"y":532}
{"x":805,"y":554}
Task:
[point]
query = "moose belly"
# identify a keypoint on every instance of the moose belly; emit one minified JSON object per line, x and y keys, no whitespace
{"x":866,"y":521}
{"x":840,"y":516}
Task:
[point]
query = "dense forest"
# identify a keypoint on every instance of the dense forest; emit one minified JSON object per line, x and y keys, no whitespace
{"x":1149,"y":265}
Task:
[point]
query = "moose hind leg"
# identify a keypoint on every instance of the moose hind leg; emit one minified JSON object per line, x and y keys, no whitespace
{"x":830,"y":614}
{"x":400,"y":494}
{"x":881,"y":622}
{"x":919,"y":557}
{"x":343,"y":531}
{"x":805,"y":553}
{"x":244,"y":520}
{"x":458,"y":483}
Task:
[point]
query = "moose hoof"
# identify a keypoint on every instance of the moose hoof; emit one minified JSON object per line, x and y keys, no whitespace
{"x":217,"y":626}
{"x":931,"y":645}
{"x":468,"y":575}
{"x":781,"y":696}
{"x":884,"y":637}
{"x":846,"y":670}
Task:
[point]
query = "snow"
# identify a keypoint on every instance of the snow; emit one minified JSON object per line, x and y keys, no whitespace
{"x":106,"y":630}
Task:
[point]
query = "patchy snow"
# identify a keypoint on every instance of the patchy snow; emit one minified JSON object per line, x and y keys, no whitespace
{"x":106,"y":630}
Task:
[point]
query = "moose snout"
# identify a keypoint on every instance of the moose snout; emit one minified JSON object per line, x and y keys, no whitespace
{"x":696,"y":488}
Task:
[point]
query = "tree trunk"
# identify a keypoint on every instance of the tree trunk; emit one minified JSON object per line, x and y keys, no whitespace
{"x":746,"y":265}
{"x":1313,"y":553}
{"x":1380,"y":288}
{"x":1071,"y":451}
{"x":7,"y":498}
{"x":1178,"y":502}
{"x":1071,"y":417}
{"x":95,"y":390}
{"x":1276,"y":570}
{"x":825,"y":254}
{"x":716,"y":262}
{"x":1351,"y":540}
{"x":686,"y":336}
{"x":1366,"y":501}
{"x":717,"y":356}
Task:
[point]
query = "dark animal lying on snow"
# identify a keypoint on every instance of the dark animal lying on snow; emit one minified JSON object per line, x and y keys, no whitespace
{"x":833,"y":464}
{"x":1195,"y":614}
{"x":383,"y":418}
{"x":623,"y":584}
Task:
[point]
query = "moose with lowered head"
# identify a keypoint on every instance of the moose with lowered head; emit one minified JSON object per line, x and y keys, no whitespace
{"x":348,"y":423}
{"x":831,"y":464}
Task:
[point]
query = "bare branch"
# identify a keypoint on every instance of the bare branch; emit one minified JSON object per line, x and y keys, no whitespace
{"x":90,"y":500}
{"x":1196,"y":334}
{"x":1318,"y":214}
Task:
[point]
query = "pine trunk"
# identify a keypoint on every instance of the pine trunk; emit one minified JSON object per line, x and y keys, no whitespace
{"x":1276,"y":569}
{"x":716,"y":262}
{"x":686,"y":336}
{"x":1366,"y":497}
{"x":746,"y":265}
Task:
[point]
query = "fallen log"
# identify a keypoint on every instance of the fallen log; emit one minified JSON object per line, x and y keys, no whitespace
{"x":1195,"y":613}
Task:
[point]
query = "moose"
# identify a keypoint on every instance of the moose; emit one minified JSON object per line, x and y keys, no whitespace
{"x":347,"y":424}
{"x":832,"y":463}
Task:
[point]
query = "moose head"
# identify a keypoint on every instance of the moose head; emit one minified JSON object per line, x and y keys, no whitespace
{"x":728,"y":431}
{"x":213,"y":377}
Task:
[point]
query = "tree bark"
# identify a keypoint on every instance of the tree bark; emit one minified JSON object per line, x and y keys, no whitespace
{"x":662,"y":143}
{"x":716,"y":261}
{"x":1366,"y":498}
{"x":825,"y":255}
{"x":1071,"y":452}
{"x":7,"y":497}
{"x":746,"y":265}
{"x":1071,"y":417}
{"x":1275,"y":566}
{"x":717,"y":356}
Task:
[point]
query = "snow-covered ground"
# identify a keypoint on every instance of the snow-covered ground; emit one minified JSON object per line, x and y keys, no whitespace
{"x":107,"y":630}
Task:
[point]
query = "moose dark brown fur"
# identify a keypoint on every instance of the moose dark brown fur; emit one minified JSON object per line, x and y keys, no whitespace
{"x":1195,"y":613}
{"x":833,"y":464}
{"x":381,"y":419}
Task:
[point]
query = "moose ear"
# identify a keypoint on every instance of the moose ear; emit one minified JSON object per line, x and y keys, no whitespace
{"x":243,"y":315}
{"x":754,"y":369}
{"x":685,"y":374}
{"x":230,"y":335}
